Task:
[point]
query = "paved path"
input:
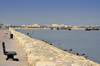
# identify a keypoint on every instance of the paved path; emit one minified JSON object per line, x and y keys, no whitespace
{"x":11,"y":45}
{"x":1,"y":33}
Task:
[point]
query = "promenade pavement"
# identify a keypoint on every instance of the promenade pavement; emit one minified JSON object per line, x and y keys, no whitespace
{"x":11,"y":45}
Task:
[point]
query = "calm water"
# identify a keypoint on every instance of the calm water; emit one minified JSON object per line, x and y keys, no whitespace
{"x":80,"y":41}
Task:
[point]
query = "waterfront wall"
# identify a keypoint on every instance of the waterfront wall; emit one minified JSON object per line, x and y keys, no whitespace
{"x":40,"y":53}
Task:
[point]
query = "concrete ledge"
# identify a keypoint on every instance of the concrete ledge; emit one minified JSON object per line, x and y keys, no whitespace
{"x":41,"y":53}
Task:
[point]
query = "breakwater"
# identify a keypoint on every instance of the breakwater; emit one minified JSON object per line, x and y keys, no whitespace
{"x":40,"y":53}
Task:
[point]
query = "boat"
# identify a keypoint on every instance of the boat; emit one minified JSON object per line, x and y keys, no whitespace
{"x":88,"y":29}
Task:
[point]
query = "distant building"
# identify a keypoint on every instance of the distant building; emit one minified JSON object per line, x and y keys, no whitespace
{"x":36,"y":25}
{"x":62,"y":25}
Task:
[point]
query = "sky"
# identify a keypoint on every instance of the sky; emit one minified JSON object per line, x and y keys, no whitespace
{"x":69,"y":12}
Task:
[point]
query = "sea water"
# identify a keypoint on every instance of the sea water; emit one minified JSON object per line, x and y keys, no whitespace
{"x":79,"y":41}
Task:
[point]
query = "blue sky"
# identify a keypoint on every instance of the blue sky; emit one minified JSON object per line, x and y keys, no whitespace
{"x":69,"y":12}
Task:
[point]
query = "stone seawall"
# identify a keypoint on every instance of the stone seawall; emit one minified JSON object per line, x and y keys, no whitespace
{"x":40,"y":53}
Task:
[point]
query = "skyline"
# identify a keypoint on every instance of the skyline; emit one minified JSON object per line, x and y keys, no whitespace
{"x":69,"y":12}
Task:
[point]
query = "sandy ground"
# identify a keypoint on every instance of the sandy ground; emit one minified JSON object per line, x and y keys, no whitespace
{"x":11,"y":45}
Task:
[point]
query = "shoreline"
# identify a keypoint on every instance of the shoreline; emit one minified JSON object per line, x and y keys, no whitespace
{"x":50,"y":29}
{"x":39,"y":47}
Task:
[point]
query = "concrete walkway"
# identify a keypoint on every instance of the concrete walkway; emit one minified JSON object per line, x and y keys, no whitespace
{"x":11,"y":45}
